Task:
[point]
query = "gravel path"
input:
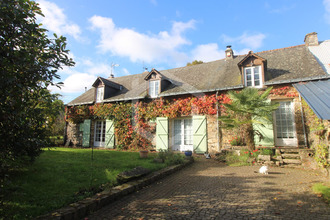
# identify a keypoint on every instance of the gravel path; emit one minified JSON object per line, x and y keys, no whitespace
{"x":210,"y":190}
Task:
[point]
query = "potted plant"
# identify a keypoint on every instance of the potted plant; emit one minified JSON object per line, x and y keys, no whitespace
{"x":144,"y":153}
{"x":188,"y":153}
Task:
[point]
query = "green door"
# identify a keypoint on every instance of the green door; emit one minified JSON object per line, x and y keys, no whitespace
{"x":109,"y":134}
{"x":86,"y":132}
{"x":264,"y":133}
{"x":199,"y":134}
{"x":161,"y":133}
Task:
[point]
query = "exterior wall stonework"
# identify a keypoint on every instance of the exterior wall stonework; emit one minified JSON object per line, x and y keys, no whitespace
{"x":212,"y":134}
{"x":74,"y":135}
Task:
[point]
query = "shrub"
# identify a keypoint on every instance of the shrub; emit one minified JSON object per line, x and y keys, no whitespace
{"x":170,"y":158}
{"x":236,"y":141}
{"x":321,"y":155}
{"x":266,"y":151}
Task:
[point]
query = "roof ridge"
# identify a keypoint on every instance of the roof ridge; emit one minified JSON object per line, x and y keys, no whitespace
{"x":283,"y":48}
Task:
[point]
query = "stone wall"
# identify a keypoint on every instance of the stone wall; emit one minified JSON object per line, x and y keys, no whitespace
{"x":74,"y":135}
{"x":213,"y":135}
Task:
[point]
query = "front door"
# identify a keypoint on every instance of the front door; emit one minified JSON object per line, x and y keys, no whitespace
{"x":285,"y":129}
{"x":99,"y":134}
{"x":182,"y":134}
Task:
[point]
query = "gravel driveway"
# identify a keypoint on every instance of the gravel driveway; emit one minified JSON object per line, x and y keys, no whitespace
{"x":210,"y":190}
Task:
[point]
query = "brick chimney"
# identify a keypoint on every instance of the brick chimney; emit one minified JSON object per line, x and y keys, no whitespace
{"x":229,"y":53}
{"x":311,"y":39}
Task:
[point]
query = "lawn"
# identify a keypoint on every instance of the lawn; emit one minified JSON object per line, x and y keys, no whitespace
{"x":322,"y":190}
{"x":61,"y":176}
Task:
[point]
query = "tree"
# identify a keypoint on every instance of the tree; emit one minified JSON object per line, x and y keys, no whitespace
{"x":29,"y":64}
{"x":195,"y":62}
{"x":247,"y":107}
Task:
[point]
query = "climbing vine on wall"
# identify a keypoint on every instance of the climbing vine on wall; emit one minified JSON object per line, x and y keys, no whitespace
{"x":131,"y":120}
{"x":287,"y":91}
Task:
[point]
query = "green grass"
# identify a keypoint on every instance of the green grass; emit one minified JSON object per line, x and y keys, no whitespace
{"x":61,"y":176}
{"x":322,"y":190}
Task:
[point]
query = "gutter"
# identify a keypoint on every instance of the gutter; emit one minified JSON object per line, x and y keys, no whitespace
{"x":241,"y":86}
{"x":297,"y":80}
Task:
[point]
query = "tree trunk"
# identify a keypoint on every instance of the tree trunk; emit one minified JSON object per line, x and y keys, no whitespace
{"x":250,"y":137}
{"x":248,"y":134}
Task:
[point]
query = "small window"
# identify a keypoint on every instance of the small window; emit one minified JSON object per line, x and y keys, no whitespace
{"x":99,"y":94}
{"x":154,"y":88}
{"x":253,"y":76}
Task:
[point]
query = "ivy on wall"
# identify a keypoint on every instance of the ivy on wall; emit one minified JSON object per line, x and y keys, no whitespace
{"x":132,"y":119}
{"x":132,"y":127}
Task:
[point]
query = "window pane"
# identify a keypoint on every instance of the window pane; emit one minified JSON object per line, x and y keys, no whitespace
{"x":99,"y":94}
{"x":249,"y":83}
{"x":156,"y":88}
{"x":188,"y":132}
{"x":256,"y":70}
{"x":151,"y":88}
{"x":177,"y":132}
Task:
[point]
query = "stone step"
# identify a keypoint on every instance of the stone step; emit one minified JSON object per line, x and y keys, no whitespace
{"x":290,"y":156}
{"x":291,"y":151}
{"x":291,"y":165}
{"x":291,"y":161}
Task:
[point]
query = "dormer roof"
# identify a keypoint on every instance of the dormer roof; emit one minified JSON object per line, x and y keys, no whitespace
{"x":251,"y":55}
{"x":153,"y":71}
{"x":106,"y":82}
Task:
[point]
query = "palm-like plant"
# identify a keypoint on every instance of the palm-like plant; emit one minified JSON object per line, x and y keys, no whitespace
{"x":248,"y":106}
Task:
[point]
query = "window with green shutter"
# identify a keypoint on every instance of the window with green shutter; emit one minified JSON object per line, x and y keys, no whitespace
{"x":109,"y":134}
{"x":161,"y":133}
{"x":86,"y":132}
{"x":200,"y":134}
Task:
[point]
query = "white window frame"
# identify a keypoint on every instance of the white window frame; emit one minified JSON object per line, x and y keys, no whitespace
{"x":182,"y":135}
{"x":99,"y":141}
{"x":99,"y":94}
{"x":252,"y":68}
{"x":154,"y":88}
{"x":281,"y":140}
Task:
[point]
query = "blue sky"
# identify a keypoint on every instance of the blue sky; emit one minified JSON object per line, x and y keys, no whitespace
{"x":165,"y":34}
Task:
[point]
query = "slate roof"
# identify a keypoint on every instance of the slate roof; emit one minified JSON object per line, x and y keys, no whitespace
{"x":322,"y":54}
{"x":317,"y":96}
{"x":286,"y":65}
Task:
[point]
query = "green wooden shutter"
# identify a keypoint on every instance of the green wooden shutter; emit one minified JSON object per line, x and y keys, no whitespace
{"x":162,"y":133}
{"x":267,"y":132}
{"x":109,"y":134}
{"x":86,"y":132}
{"x":199,"y":134}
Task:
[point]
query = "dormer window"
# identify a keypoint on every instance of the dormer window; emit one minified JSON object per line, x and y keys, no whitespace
{"x":154,"y":88}
{"x":99,"y":94}
{"x":253,"y":76}
{"x":253,"y":68}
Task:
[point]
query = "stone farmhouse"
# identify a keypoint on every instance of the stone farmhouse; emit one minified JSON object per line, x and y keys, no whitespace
{"x":288,"y":70}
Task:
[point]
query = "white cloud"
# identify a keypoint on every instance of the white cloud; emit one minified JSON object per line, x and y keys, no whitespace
{"x":77,"y":82}
{"x":253,"y":41}
{"x":125,"y":71}
{"x":211,"y":52}
{"x":149,"y":48}
{"x":326,"y":4}
{"x":208,"y":52}
{"x":56,"y":21}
